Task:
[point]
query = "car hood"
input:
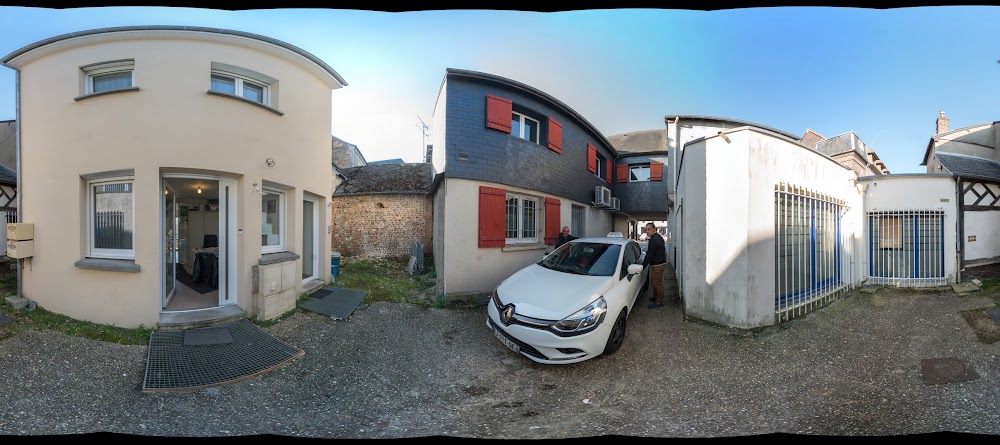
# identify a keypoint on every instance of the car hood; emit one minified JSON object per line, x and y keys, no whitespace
{"x":548,"y":294}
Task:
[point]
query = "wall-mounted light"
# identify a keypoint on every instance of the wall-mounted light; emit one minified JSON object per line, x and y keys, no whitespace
{"x":199,"y":189}
{"x":269,"y":162}
{"x":725,"y":137}
{"x":165,"y":191}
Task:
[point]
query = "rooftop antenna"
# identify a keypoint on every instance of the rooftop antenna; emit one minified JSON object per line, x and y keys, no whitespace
{"x":423,"y":135}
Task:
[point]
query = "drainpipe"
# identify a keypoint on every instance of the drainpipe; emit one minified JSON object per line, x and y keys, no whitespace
{"x":959,"y":232}
{"x":17,"y":160}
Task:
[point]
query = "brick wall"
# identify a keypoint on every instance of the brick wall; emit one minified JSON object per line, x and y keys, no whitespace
{"x":381,"y":226}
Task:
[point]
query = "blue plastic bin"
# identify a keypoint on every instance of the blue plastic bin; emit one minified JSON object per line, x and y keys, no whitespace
{"x":335,"y":264}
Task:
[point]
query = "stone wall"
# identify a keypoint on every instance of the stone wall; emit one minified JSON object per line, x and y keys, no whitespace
{"x":381,"y":225}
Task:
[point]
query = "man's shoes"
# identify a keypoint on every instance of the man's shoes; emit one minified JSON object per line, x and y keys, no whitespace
{"x":654,"y":305}
{"x":652,"y":298}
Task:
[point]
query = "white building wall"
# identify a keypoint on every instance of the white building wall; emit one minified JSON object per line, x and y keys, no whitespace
{"x":913,"y":192}
{"x":984,"y":228}
{"x":465,"y":268}
{"x":728,"y":252}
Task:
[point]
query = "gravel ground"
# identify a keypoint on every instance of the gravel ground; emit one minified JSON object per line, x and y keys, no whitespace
{"x":392,"y":370}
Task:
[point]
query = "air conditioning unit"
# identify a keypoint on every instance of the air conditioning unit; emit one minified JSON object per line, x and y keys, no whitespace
{"x":602,"y":196}
{"x":615,"y":204}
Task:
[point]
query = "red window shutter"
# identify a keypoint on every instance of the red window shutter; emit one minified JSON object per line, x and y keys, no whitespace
{"x":492,"y":216}
{"x":622,"y":172}
{"x":552,"y":226}
{"x":591,"y":158}
{"x":608,"y":176}
{"x":555,"y":136}
{"x":498,"y":111}
{"x":655,"y":171}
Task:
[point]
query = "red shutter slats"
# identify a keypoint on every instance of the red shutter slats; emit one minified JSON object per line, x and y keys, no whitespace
{"x":591,"y":158}
{"x":498,"y":111}
{"x":608,"y":173}
{"x":655,"y":171}
{"x":551,"y":220}
{"x":492,"y":216}
{"x":555,"y":136}
{"x":622,"y":173}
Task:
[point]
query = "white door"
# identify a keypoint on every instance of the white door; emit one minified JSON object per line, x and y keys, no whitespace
{"x":227,"y":242}
{"x":169,"y":245}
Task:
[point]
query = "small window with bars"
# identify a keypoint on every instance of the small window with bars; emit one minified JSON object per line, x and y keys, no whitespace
{"x":111,"y":219}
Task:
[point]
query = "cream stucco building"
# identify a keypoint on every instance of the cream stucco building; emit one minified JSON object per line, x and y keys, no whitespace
{"x":173,"y":175}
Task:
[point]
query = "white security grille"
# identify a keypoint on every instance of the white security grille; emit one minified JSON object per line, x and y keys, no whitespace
{"x":906,"y":248}
{"x":808,"y":250}
{"x":7,"y":217}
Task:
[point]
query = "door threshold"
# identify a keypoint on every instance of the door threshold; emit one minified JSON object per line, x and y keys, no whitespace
{"x":200,"y":318}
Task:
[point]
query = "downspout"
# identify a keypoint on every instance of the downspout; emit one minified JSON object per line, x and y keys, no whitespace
{"x":960,"y":222}
{"x":17,"y":163}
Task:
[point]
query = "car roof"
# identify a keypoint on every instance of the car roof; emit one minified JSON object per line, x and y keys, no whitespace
{"x":602,"y":239}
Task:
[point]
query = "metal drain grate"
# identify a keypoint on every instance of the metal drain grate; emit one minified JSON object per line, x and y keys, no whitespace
{"x":173,"y":366}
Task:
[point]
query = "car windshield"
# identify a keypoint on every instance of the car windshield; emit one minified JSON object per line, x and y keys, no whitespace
{"x":584,"y":258}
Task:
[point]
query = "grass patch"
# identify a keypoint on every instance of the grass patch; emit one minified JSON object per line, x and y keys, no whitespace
{"x":386,"y":279}
{"x":41,"y":319}
{"x":987,"y":331}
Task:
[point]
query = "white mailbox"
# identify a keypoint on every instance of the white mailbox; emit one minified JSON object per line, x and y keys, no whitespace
{"x":20,"y":249}
{"x":20,"y":231}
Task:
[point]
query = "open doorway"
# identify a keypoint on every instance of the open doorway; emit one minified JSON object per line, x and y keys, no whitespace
{"x":197,"y":246}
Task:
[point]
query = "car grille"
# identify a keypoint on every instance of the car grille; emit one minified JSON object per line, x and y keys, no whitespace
{"x":525,"y":348}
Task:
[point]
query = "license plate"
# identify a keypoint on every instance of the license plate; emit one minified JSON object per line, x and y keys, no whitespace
{"x":513,"y":346}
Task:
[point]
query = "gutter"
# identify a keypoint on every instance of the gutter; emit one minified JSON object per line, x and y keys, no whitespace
{"x":17,"y":158}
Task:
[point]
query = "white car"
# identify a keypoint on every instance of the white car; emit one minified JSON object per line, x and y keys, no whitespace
{"x":573,"y":304}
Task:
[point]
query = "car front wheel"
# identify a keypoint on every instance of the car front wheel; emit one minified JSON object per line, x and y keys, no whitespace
{"x":617,"y":335}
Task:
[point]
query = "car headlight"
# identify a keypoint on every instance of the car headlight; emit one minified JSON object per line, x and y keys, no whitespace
{"x":583,"y":321}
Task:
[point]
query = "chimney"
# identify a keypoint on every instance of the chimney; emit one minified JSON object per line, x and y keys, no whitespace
{"x":942,"y":123}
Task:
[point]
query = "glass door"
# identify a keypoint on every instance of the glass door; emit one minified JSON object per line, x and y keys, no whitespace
{"x":169,"y":243}
{"x":310,"y":238}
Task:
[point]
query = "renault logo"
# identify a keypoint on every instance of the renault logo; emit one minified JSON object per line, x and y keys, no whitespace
{"x":506,"y":313}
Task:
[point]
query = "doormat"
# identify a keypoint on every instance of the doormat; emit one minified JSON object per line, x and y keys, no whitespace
{"x":338,"y":304}
{"x":4,"y":319}
{"x":210,"y":336}
{"x":172,"y":366}
{"x":947,"y":370}
{"x":320,"y":294}
{"x":199,"y":286}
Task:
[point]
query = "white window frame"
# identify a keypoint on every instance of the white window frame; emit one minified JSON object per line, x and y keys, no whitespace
{"x":602,"y":166}
{"x":92,"y":251}
{"x":239,"y":81}
{"x":640,"y":167}
{"x":520,"y":119}
{"x":99,"y":69}
{"x":519,"y":219}
{"x":282,"y":227}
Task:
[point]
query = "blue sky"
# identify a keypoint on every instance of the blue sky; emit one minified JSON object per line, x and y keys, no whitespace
{"x":882,"y":73}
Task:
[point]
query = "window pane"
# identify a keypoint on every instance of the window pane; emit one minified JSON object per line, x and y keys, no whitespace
{"x":528,"y":221}
{"x":270,"y":214}
{"x":531,"y":130}
{"x":254,"y":92}
{"x":576,"y":221}
{"x":223,"y":84}
{"x":112,"y":81}
{"x":113,"y":225}
{"x":515,"y":124}
{"x":511,"y":218}
{"x":640,"y":173}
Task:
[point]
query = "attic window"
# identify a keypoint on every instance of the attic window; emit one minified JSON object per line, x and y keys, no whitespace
{"x":107,"y":77}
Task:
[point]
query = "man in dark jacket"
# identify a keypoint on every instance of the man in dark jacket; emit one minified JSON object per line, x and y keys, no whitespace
{"x":564,"y":237}
{"x":656,"y":262}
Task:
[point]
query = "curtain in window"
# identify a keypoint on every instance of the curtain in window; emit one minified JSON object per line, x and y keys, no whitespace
{"x":112,"y":81}
{"x":271,"y":223}
{"x":113,"y":225}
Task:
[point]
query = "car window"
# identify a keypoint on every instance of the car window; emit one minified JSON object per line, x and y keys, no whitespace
{"x":584,"y":258}
{"x":631,"y":257}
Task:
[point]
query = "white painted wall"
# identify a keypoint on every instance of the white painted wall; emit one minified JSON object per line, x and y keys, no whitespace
{"x":465,"y":268}
{"x":985,"y":226}
{"x":913,"y":192}
{"x":727,"y":190}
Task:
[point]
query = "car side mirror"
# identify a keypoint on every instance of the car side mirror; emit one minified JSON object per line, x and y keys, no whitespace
{"x":634,"y":269}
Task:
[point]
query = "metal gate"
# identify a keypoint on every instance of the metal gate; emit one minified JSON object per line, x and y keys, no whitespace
{"x":808,"y":250}
{"x":906,"y":248}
